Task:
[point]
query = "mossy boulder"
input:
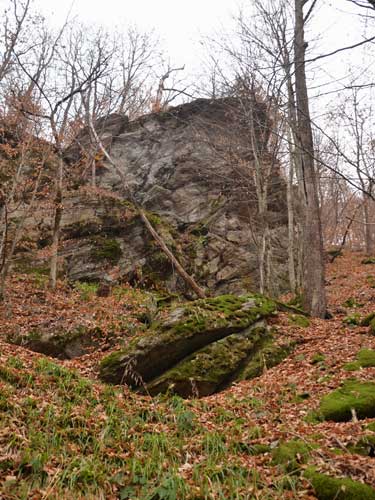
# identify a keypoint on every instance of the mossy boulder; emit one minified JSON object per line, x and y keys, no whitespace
{"x":330,"y":488}
{"x":365,"y":358}
{"x":364,"y":446}
{"x":291,"y":455}
{"x":299,"y":320}
{"x":197,"y":349}
{"x":353,"y":396}
{"x":61,"y":345}
{"x":366,"y":321}
{"x":213,"y":367}
{"x":270,"y":354}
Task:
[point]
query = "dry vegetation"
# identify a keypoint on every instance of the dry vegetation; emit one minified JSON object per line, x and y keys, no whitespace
{"x":65,"y":435}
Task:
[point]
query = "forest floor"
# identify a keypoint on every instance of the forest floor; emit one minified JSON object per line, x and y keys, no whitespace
{"x":65,"y":435}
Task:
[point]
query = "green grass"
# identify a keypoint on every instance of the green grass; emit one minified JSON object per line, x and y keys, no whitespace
{"x":87,"y":291}
{"x":77,"y":439}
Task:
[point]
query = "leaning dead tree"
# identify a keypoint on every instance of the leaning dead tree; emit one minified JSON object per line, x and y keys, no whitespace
{"x":189,"y":280}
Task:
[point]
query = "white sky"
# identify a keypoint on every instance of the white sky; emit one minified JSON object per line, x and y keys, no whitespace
{"x":180,"y":23}
{"x":177,"y":22}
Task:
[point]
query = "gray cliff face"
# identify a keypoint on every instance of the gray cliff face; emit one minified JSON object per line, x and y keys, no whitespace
{"x":191,"y":168}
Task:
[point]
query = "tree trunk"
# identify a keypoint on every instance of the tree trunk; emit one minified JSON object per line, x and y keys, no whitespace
{"x":369,"y":240}
{"x":314,"y":298}
{"x":56,"y":226}
{"x":289,"y":195}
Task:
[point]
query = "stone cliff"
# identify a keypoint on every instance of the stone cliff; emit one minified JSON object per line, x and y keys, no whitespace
{"x":191,"y":168}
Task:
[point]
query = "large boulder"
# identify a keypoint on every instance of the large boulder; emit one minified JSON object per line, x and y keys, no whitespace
{"x":191,"y":168}
{"x":197,"y":349}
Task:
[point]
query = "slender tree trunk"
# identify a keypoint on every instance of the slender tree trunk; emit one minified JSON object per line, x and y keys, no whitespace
{"x":291,"y":235}
{"x":93,"y":173}
{"x":261,"y":172}
{"x":57,"y":224}
{"x":369,"y":240}
{"x":314,"y":298}
{"x":3,"y":251}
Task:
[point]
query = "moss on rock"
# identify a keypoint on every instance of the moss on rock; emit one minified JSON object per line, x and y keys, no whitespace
{"x":366,"y":321}
{"x":106,"y":250}
{"x":210,"y":368}
{"x":365,"y":359}
{"x":352,"y":320}
{"x":61,"y":345}
{"x":299,"y":320}
{"x":271,"y":354}
{"x":330,"y":488}
{"x":291,"y":455}
{"x":184,"y":331}
{"x":364,"y":446}
{"x":353,"y":395}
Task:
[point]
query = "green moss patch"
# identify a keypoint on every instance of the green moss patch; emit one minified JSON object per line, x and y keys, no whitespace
{"x":366,"y":321}
{"x":271,"y":354}
{"x":106,"y":250}
{"x":291,"y":455}
{"x":329,"y":488}
{"x":186,"y":330}
{"x":353,"y":395}
{"x":352,"y":320}
{"x":317,"y":358}
{"x":299,"y":320}
{"x":364,"y":359}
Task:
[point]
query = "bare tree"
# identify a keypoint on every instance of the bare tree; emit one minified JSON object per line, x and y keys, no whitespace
{"x":57,"y":86}
{"x":314,"y":298}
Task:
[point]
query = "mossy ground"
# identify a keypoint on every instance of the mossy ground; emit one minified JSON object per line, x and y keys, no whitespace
{"x":365,"y":358}
{"x":76,"y":439}
{"x":330,"y":488}
{"x":291,"y":455}
{"x":355,"y":396}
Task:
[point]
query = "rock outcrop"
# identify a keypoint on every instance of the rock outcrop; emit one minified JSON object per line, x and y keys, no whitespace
{"x":199,"y":348}
{"x":191,"y":168}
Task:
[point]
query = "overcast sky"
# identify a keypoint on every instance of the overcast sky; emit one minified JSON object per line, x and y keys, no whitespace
{"x":181,"y":24}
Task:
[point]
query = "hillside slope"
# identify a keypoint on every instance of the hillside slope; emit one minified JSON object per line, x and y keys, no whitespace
{"x":65,"y":435}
